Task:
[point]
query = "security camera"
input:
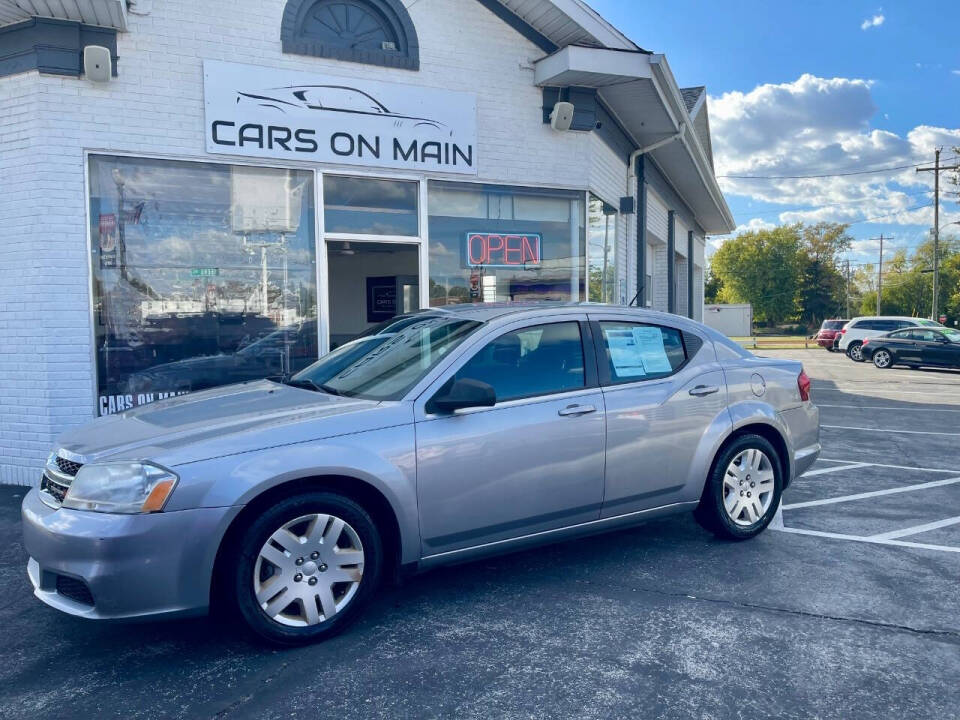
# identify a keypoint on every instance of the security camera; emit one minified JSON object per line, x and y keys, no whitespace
{"x":561,"y":118}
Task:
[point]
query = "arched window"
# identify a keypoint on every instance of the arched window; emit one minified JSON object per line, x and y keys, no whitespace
{"x":376,"y":32}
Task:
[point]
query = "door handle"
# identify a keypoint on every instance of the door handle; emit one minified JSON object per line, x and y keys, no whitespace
{"x":701,"y":390}
{"x":576,"y":410}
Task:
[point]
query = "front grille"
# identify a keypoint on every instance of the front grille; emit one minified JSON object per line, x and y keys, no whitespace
{"x":68,"y":467}
{"x":74,"y":589}
{"x":54,"y":488}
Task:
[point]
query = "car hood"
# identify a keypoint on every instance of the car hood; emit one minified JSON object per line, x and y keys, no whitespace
{"x":224,"y":421}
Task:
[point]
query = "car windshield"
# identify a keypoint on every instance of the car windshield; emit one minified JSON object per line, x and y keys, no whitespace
{"x":930,"y":323}
{"x":386,"y":366}
{"x":952,"y":335}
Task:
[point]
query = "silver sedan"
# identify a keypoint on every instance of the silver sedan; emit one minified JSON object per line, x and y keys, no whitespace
{"x":447,"y":435}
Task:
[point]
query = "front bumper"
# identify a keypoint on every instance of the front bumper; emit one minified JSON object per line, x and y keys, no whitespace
{"x":135,"y":566}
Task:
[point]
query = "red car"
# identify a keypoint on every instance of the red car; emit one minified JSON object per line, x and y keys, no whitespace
{"x":829,"y":333}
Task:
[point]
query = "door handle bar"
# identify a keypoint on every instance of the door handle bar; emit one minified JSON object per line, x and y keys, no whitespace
{"x":701,"y":390}
{"x":576,"y":410}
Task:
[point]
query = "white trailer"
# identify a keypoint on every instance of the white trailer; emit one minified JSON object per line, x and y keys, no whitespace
{"x":731,"y":320}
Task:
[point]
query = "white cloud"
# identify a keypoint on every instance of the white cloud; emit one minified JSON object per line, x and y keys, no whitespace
{"x":821,"y":126}
{"x":871,"y":22}
{"x":955,"y":72}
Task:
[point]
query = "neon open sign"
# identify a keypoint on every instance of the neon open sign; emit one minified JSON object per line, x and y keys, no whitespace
{"x":502,"y":249}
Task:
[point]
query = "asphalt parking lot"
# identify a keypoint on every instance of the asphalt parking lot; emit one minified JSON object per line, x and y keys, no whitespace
{"x":848,"y":608}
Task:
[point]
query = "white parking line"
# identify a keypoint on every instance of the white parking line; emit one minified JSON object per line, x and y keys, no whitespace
{"x":872,"y":493}
{"x":823,"y":471}
{"x":885,"y":430}
{"x":881,"y":389}
{"x":867,"y":539}
{"x":895,"y":467}
{"x":881,"y":407}
{"x":916,"y":529}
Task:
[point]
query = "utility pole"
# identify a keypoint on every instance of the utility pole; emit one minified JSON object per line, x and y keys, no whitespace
{"x":936,"y":225}
{"x":848,"y":289}
{"x":880,"y":275}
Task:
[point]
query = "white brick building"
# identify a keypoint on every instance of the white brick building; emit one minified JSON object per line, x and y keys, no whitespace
{"x":125,"y":193}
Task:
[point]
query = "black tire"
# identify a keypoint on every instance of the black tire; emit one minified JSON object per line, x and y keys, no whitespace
{"x":239,"y":579}
{"x":712,"y":515}
{"x":855,"y":347}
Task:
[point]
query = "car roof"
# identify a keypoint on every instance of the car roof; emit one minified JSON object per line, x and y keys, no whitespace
{"x":886,"y":317}
{"x":485,"y":312}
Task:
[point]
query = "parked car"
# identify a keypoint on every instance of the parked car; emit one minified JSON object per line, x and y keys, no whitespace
{"x":829,"y":334}
{"x":937,"y":347}
{"x":854,"y":332}
{"x":471,"y":430}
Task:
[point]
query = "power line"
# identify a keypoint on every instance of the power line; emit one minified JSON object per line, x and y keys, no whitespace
{"x":825,"y":175}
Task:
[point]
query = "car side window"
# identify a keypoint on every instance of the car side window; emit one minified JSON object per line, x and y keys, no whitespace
{"x":863,"y":325}
{"x":635,"y":351}
{"x":537,"y":360}
{"x":925,"y":335}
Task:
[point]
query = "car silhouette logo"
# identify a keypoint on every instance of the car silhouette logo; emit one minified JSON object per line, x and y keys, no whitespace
{"x":332,"y":99}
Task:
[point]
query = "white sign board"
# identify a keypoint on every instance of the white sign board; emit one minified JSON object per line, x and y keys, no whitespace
{"x":286,"y":114}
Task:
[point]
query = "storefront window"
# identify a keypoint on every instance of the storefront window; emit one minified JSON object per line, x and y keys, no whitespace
{"x":368,"y":206}
{"x":203,"y":275}
{"x":500,"y":244}
{"x":602,"y":251}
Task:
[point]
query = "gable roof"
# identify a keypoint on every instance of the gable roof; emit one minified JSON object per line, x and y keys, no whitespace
{"x":691,"y":96}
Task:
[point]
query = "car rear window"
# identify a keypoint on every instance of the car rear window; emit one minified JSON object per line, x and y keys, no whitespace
{"x":833,"y":324}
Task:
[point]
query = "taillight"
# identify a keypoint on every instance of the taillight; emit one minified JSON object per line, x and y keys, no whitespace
{"x":843,"y":331}
{"x":864,"y":342}
{"x":803,"y":385}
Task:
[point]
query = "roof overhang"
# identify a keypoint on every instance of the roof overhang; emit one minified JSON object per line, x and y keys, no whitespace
{"x":640,"y":91}
{"x":567,"y":22}
{"x":104,"y":13}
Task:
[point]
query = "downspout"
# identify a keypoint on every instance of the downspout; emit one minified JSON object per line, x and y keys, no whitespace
{"x":640,"y":203}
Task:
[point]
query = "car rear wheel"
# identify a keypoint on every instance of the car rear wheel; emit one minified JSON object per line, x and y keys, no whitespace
{"x":742,"y":493}
{"x":882,"y":359}
{"x":855,"y":351}
{"x":306,"y":567}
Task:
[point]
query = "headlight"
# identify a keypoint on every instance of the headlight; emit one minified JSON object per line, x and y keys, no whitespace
{"x":120,"y":488}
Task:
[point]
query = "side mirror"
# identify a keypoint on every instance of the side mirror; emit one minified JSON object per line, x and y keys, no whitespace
{"x":461,"y":394}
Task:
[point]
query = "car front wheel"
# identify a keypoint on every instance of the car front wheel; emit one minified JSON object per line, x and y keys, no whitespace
{"x":742,"y":493}
{"x":855,"y":352}
{"x":882,"y":359}
{"x":305,"y":568}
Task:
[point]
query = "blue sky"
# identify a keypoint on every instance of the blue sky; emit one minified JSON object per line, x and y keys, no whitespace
{"x":816,"y":88}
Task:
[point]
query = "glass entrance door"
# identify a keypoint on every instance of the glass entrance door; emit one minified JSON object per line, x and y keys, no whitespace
{"x":372,"y":264}
{"x":368,"y":284}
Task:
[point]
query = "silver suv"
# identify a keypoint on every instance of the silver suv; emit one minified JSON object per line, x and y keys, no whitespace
{"x":445,"y":436}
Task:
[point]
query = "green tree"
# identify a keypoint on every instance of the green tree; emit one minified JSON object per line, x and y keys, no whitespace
{"x":822,"y":287}
{"x":712,"y":286}
{"x":761,"y":268}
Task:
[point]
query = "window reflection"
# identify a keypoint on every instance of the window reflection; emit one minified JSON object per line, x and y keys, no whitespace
{"x":368,"y":206}
{"x":499,"y":244}
{"x":203,"y":275}
{"x":602,"y":251}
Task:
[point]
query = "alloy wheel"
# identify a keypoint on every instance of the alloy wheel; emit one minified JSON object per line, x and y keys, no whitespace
{"x":881,"y":358}
{"x":748,"y":485}
{"x":308,"y":570}
{"x":856,"y":352}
